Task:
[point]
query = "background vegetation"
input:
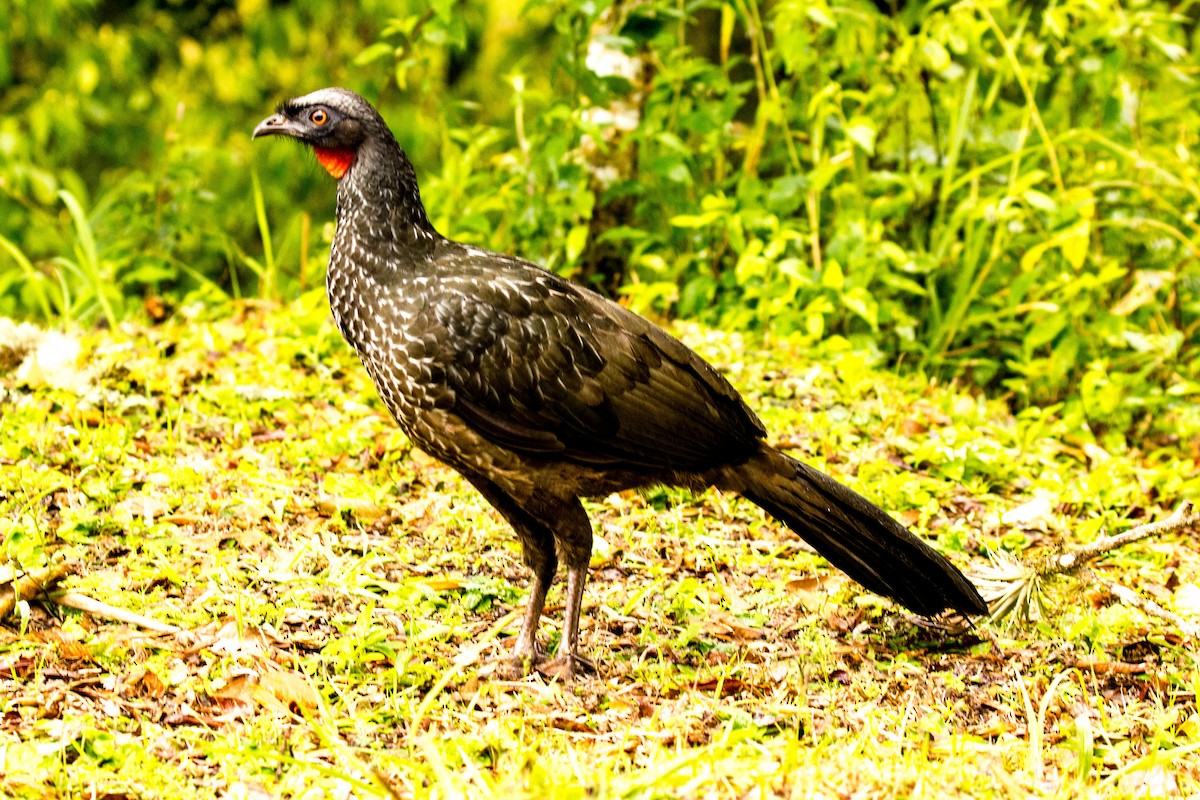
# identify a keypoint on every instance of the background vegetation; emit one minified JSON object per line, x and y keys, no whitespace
{"x":1000,"y":191}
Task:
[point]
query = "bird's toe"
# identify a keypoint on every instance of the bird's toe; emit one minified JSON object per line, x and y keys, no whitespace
{"x":517,"y":664}
{"x":566,"y":667}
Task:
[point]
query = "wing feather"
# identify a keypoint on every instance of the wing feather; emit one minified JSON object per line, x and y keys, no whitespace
{"x":540,"y":366}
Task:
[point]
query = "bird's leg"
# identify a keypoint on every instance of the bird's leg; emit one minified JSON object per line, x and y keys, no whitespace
{"x":565,"y":662}
{"x":537,"y":548}
{"x":551,"y":529}
{"x":541,"y":560}
{"x":576,"y":580}
{"x":573,"y":543}
{"x":543,"y":563}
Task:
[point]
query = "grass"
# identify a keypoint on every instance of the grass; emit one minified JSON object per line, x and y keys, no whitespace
{"x":340,"y":596}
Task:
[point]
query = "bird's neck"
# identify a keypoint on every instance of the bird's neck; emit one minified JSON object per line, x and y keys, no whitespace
{"x":379,"y":206}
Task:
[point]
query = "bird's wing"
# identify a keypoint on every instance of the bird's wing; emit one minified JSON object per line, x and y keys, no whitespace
{"x":540,"y":366}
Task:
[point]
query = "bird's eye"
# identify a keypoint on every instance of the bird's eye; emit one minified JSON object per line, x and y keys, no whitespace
{"x":319,"y":116}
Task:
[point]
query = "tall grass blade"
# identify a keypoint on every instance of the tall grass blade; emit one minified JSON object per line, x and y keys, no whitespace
{"x":88,"y":266}
{"x":267,"y":276}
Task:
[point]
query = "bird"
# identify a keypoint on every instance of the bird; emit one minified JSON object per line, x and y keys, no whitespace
{"x":541,"y":392}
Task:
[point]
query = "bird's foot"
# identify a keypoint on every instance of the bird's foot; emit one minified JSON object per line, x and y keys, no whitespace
{"x":512,"y":668}
{"x":565,"y":667}
{"x":518,"y":664}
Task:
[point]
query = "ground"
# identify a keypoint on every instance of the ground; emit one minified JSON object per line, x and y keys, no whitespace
{"x":330,"y":602}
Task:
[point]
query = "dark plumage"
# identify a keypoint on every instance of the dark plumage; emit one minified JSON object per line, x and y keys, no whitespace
{"x":541,"y":392}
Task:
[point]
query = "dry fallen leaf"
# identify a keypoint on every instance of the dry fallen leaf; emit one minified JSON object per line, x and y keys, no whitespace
{"x":1157,"y":781}
{"x":728,"y":687}
{"x":30,"y":584}
{"x":572,"y":724}
{"x":1037,"y":514}
{"x":1187,"y":600}
{"x":363,"y":510}
{"x":447,"y":584}
{"x":140,"y":506}
{"x":239,"y":688}
{"x":812,"y":592}
{"x":248,"y":643}
{"x":288,"y":687}
{"x":147,"y":684}
{"x":722,"y":625}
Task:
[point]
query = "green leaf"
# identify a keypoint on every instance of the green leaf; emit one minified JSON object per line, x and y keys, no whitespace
{"x":1045,"y":331}
{"x":832,"y":276}
{"x":696,"y":220}
{"x":787,"y":191}
{"x":1075,"y":242}
{"x":576,"y":242}
{"x":820,"y":14}
{"x":1040,"y":201}
{"x":374,"y":53}
{"x":83,"y":231}
{"x":936,"y":55}
{"x":861,"y":131}
{"x":862,"y":304}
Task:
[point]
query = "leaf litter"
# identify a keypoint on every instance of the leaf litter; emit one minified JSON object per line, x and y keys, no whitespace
{"x":334,"y":601}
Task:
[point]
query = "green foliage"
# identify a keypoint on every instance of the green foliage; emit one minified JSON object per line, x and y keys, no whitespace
{"x":1000,"y":191}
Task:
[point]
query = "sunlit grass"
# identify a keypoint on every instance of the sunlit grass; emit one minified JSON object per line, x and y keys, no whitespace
{"x":342,"y":597}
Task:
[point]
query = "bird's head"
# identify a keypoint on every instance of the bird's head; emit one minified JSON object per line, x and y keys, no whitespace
{"x":336,"y":123}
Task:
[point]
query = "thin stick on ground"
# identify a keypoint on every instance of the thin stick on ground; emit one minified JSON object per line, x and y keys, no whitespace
{"x":1149,"y":607}
{"x":1068,"y":562}
{"x":41,"y":582}
{"x":82,"y":602}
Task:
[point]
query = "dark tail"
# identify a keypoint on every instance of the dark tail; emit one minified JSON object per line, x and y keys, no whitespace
{"x":856,"y":536}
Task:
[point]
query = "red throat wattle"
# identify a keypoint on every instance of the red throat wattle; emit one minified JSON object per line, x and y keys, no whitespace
{"x":335,"y":161}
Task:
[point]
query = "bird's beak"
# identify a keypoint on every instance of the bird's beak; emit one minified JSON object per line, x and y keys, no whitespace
{"x":276,"y":125}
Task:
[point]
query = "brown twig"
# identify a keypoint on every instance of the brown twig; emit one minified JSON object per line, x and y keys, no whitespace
{"x":1148,"y":606}
{"x":1076,"y":559}
{"x":81,"y":602}
{"x":30,"y":585}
